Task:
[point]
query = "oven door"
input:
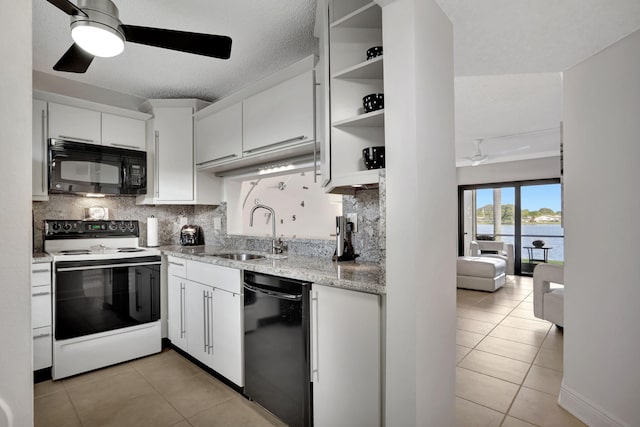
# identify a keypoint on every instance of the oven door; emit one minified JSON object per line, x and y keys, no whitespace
{"x":98,"y":296}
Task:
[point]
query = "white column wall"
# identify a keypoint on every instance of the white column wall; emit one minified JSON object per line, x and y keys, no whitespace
{"x":421,"y":214}
{"x":601,"y":382}
{"x":16,"y":379}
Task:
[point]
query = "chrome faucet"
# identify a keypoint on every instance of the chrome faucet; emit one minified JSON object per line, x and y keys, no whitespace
{"x":276,"y":244}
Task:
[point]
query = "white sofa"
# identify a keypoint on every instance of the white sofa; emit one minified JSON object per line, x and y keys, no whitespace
{"x":481,"y":273}
{"x":504,"y":252}
{"x":548,"y":303}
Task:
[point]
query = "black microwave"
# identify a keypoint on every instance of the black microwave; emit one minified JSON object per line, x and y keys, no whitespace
{"x":80,"y":168}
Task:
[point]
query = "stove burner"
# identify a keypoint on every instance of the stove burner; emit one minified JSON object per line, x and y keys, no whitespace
{"x":76,"y":252}
{"x":130,"y":250}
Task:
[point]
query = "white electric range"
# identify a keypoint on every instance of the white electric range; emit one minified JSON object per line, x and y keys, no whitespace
{"x":106,"y":294}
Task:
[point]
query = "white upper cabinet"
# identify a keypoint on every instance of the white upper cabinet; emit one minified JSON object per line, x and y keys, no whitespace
{"x":173,"y":152}
{"x":73,"y":123}
{"x":280,"y":116}
{"x":39,"y":167}
{"x":219,"y":136}
{"x":123,"y":132}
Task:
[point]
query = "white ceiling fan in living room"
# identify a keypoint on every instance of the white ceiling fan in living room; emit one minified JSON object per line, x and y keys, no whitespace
{"x":479,"y":157}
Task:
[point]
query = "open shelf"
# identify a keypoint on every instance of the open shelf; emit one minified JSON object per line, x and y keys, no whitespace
{"x":373,"y":119}
{"x":350,"y":182}
{"x":369,"y":69}
{"x":368,"y":16}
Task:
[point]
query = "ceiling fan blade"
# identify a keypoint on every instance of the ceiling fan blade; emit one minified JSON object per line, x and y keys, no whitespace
{"x":74,"y":60}
{"x":200,"y":44}
{"x":67,"y":7}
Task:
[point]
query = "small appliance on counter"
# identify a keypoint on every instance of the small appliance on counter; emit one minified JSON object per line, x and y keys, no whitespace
{"x":191,"y":235}
{"x":344,"y":247}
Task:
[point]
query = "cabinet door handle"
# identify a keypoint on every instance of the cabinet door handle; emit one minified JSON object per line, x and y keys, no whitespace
{"x":44,"y":151}
{"x":156,"y":154}
{"x":41,"y":270}
{"x":315,"y":363}
{"x":76,"y":138}
{"x":210,"y":308}
{"x":230,"y":156}
{"x":205,"y":318}
{"x":41,"y":335}
{"x":182,"y":331}
{"x":39,"y":294}
{"x":176,"y":263}
{"x":115,"y":144}
{"x":266,"y":147}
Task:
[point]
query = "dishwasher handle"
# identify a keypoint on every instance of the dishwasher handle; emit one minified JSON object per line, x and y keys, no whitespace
{"x":279,"y":295}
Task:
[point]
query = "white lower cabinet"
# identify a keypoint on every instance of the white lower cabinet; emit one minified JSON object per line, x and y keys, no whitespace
{"x":205,"y":319}
{"x":41,"y":315}
{"x":346,"y":357}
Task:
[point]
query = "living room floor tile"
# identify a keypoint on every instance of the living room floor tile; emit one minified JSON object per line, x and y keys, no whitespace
{"x":550,"y":358}
{"x":491,"y":307}
{"x":484,"y":390}
{"x":553,"y":342}
{"x":477,"y":326}
{"x":472,"y":414}
{"x":483,"y":316}
{"x":523,"y":314}
{"x":544,"y":379}
{"x":541,"y":409}
{"x":514,"y":422}
{"x":496,"y":366}
{"x":506,"y":348}
{"x":461,"y":352}
{"x":518,"y":335}
{"x":467,"y":338}
{"x":531,"y":325}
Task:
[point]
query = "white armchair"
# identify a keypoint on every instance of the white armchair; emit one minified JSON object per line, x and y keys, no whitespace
{"x":504,"y":251}
{"x":548,"y":303}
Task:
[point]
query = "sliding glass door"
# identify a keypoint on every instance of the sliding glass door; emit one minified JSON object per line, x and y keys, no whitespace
{"x":521,"y":213}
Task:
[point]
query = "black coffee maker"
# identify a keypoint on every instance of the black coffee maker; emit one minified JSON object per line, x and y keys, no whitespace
{"x":344,"y":247}
{"x":191,"y":235}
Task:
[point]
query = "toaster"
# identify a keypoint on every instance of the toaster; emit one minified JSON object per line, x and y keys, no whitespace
{"x":191,"y":235}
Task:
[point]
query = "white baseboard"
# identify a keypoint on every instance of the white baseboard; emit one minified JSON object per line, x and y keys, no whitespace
{"x":585,"y":410}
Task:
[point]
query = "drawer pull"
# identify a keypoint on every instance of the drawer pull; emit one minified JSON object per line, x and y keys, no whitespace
{"x":41,"y":335}
{"x":176,"y":263}
{"x":39,"y":294}
{"x":42,"y":270}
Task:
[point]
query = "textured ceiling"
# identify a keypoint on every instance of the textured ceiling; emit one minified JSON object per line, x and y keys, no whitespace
{"x":509,"y":55}
{"x":508,"y":58}
{"x":267,"y":36}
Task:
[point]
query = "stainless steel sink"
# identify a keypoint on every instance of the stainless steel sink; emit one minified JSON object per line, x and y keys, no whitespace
{"x":239,"y":256}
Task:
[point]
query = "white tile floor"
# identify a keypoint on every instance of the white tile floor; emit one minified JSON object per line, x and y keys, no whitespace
{"x":509,"y":370}
{"x":509,"y":363}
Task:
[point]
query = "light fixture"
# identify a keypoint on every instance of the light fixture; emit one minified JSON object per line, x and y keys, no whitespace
{"x":97,"y":39}
{"x":97,"y":29}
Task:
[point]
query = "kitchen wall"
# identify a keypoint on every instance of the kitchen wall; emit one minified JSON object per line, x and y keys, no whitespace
{"x":366,"y":203}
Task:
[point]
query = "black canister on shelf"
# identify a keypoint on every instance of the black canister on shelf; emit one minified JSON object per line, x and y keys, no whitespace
{"x":373,"y":157}
{"x":374,"y":52}
{"x":373,"y":102}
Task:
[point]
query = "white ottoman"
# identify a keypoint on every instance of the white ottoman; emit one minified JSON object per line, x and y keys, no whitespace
{"x":481,"y":273}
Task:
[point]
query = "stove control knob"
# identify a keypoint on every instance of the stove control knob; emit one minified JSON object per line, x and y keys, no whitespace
{"x":112,"y":226}
{"x":123,"y":226}
{"x":66,"y":226}
{"x":131,"y":226}
{"x":55,"y":226}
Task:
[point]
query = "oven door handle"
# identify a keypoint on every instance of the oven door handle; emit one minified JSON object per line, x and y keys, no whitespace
{"x":99,"y":267}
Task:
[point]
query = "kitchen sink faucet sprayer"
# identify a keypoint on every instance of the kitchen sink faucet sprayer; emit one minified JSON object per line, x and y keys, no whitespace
{"x":276,"y":244}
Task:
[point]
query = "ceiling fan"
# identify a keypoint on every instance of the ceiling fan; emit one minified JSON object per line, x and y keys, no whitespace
{"x":478,"y":157}
{"x":97,"y":31}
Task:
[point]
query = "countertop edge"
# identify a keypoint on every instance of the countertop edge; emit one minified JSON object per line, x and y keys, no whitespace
{"x":291,"y":272}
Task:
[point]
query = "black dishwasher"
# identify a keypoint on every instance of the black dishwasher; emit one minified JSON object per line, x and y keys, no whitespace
{"x":276,"y":346}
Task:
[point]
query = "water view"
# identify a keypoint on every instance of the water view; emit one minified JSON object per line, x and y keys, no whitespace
{"x":529,"y":233}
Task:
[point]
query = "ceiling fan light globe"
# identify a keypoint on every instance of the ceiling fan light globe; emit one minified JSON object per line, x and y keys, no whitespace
{"x":98,"y":40}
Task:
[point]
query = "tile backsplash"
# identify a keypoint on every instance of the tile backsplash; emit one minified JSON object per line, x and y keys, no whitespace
{"x":368,"y":204}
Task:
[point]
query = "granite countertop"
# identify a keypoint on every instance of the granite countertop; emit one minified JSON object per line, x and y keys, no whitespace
{"x":40,"y":257}
{"x":357,"y":276}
